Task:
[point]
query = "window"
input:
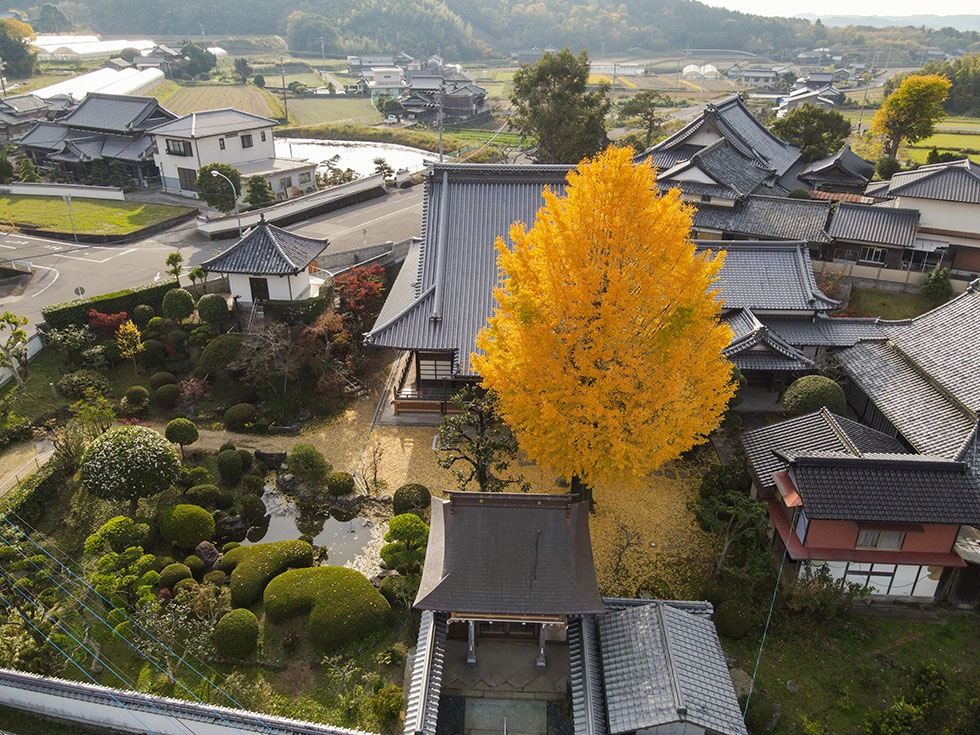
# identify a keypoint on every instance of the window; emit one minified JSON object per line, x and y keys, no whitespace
{"x":188,"y":179}
{"x":843,"y":255}
{"x":705,"y":198}
{"x":305,"y":178}
{"x":221,"y":143}
{"x":884,"y":540}
{"x":873,"y":255}
{"x":247,"y":141}
{"x":179,"y":147}
{"x":435,"y":367}
{"x":285,"y":182}
{"x":262,"y":136}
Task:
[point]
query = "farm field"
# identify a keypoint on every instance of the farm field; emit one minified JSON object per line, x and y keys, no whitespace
{"x":332,"y":109}
{"x":211,"y":97}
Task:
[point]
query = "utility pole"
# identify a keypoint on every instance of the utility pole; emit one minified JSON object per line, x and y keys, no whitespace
{"x":323,"y":57}
{"x":442,"y":90}
{"x":3,"y":78}
{"x":285,"y":107}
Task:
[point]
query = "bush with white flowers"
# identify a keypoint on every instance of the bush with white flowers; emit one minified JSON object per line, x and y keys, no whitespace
{"x":129,"y":463}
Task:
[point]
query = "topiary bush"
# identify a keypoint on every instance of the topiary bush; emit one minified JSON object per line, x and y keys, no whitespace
{"x":340,"y":483}
{"x":206,"y":495}
{"x":181,"y":431}
{"x":246,"y":459}
{"x":219,"y":353}
{"x":307,"y":465}
{"x":76,"y":384}
{"x":237,"y":633}
{"x":119,"y":534}
{"x":167,"y":396}
{"x":213,"y":309}
{"x":251,"y":508}
{"x":196,"y":565}
{"x":252,"y":567}
{"x":191,"y":476}
{"x":253,"y":485}
{"x":172,"y":574}
{"x":342,"y":604}
{"x":237,"y":416}
{"x":407,"y":538}
{"x":216,"y":577}
{"x":178,"y":304}
{"x":162,"y":378}
{"x":186,"y":584}
{"x":129,"y":463}
{"x":230,"y":467}
{"x":154,"y":354}
{"x":811,"y":393}
{"x":136,"y":398}
{"x":411,"y":498}
{"x":142,"y":313}
{"x":399,"y":590}
{"x":185,"y":525}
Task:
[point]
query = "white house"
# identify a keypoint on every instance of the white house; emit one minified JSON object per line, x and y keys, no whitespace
{"x":238,"y":138}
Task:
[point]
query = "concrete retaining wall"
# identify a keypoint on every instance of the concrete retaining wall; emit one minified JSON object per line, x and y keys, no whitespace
{"x":887,"y":279}
{"x":81,"y":191}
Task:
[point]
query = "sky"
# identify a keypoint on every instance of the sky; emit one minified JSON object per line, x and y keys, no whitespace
{"x":849,"y":7}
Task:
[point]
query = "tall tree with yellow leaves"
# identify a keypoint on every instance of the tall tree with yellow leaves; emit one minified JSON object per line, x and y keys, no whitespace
{"x":911,"y":112}
{"x":605,"y":347}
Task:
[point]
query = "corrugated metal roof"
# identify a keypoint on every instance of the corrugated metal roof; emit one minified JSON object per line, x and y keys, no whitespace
{"x":661,"y":666}
{"x":818,"y":431}
{"x":953,"y":181}
{"x":267,"y":250}
{"x":509,"y":553}
{"x":867,"y":223}
{"x":886,"y":488}
{"x":212,"y":122}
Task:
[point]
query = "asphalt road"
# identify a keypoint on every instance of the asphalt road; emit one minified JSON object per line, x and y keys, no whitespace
{"x":60,"y":267}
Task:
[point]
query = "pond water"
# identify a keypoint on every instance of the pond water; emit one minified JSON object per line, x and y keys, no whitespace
{"x":354,"y":154}
{"x":350,"y":542}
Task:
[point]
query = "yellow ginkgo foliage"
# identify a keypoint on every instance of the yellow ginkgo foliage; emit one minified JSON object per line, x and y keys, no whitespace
{"x":605,"y":346}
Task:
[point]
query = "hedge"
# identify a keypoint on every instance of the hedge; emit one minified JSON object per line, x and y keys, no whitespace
{"x":60,"y":316}
{"x":343,"y":605}
{"x":160,"y":379}
{"x":296,"y":312}
{"x":35,"y":494}
{"x":237,"y":633}
{"x":185,"y":525}
{"x":252,"y":567}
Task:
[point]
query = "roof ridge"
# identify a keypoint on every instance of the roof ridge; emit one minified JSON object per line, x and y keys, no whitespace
{"x":675,"y":686}
{"x":838,"y":430}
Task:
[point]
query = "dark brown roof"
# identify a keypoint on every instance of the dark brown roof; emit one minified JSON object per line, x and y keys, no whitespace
{"x":499,"y":554}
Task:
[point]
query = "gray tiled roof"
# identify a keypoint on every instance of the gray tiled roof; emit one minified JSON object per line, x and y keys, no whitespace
{"x":875,"y":224}
{"x":755,"y":347}
{"x":725,"y":164}
{"x":768,"y":276}
{"x":662,"y":665}
{"x":212,"y":122}
{"x":45,"y":136}
{"x":467,"y":207}
{"x":585,"y":677}
{"x":878,"y":189}
{"x":886,"y":488}
{"x":945,"y":344}
{"x":818,"y":431}
{"x":823,"y":331}
{"x":770,"y":217}
{"x":267,"y":250}
{"x":915,"y":406}
{"x":843,"y":167}
{"x":509,"y":553}
{"x":954,"y":181}
{"x":422,"y":707}
{"x":116,"y":113}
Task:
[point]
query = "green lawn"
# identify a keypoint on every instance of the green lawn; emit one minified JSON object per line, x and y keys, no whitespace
{"x":323,"y":109}
{"x":886,"y":304}
{"x":91,"y":216}
{"x":841,"y":671}
{"x":36,"y":398}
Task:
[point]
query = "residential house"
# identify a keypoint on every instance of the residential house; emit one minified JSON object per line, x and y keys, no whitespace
{"x":19,"y":113}
{"x":763,"y":218}
{"x":161,"y":57}
{"x":761,"y":77}
{"x":113,"y":128}
{"x":879,"y":236}
{"x":815,"y":80}
{"x":948,"y":197}
{"x":826,"y":98}
{"x":630,"y":665}
{"x":460,"y":100}
{"x":842,"y":171}
{"x":240,"y":139}
{"x":856,"y":501}
{"x":386,"y":81}
{"x":269,"y":263}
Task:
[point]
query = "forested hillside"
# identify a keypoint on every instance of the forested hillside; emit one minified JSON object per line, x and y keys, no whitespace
{"x":461,"y":29}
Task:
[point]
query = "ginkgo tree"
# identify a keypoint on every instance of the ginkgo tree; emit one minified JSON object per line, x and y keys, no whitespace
{"x":605,"y":348}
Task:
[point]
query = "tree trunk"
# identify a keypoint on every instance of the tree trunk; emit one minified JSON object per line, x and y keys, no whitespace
{"x":581,"y":492}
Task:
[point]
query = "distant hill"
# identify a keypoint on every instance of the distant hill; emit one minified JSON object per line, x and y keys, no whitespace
{"x":959,"y":22}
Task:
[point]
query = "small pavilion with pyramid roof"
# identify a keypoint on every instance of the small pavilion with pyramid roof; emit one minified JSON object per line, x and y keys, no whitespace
{"x":269,"y":263}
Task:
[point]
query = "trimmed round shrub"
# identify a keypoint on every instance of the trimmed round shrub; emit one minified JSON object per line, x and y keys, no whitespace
{"x":182,"y":432}
{"x":75,"y":385}
{"x":252,"y":567}
{"x":733,"y":619}
{"x":229,"y":546}
{"x":216,"y":577}
{"x":167,"y":396}
{"x":119,"y":533}
{"x":219,"y":353}
{"x":227,"y":445}
{"x":128,"y":463}
{"x":206,"y":495}
{"x":137,"y":397}
{"x":162,"y":378}
{"x":192,"y":476}
{"x":212,"y":308}
{"x":411,"y":498}
{"x":253,"y":485}
{"x":185,"y":525}
{"x":307,"y":464}
{"x":154,"y":354}
{"x":237,"y":633}
{"x":156,"y":324}
{"x":142,"y":313}
{"x":186,"y":584}
{"x":230,"y":467}
{"x":177,"y":340}
{"x":811,"y":393}
{"x":172,"y":574}
{"x":238,"y":415}
{"x":251,"y":508}
{"x":342,"y":604}
{"x":246,"y":459}
{"x":400,"y":589}
{"x":340,"y":483}
{"x":196,"y":565}
{"x":178,"y":304}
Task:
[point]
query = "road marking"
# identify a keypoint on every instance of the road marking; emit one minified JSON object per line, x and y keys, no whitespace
{"x":8,"y":247}
{"x":86,"y":259}
{"x":45,"y":268}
